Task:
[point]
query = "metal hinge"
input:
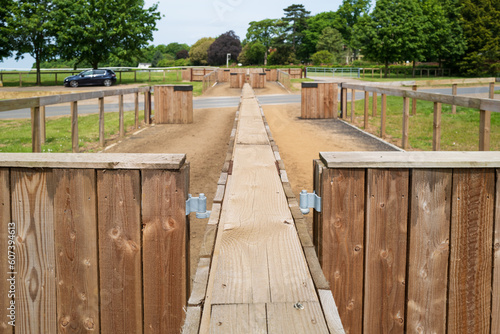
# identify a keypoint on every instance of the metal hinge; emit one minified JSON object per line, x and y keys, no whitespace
{"x":198,"y":205}
{"x":308,"y":200}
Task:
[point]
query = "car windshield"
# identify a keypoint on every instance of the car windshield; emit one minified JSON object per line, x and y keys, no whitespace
{"x":84,"y":73}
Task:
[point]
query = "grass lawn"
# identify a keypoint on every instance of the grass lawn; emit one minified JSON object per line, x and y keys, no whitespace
{"x":16,"y":134}
{"x":459,"y":132}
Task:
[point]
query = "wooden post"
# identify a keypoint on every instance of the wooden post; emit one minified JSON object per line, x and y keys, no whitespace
{"x":319,"y":100}
{"x":135,"y":76}
{"x":484,"y":130}
{"x":492,"y":90}
{"x":383,"y":115}
{"x":43,"y":129}
{"x":147,"y":107}
{"x":414,"y":102}
{"x":406,"y":119}
{"x":344,"y":103}
{"x":36,"y":140}
{"x":149,"y":75}
{"x":436,"y":133}
{"x":120,"y":77}
{"x":367,"y":101}
{"x":136,"y":102}
{"x":74,"y":126}
{"x":374,"y":104}
{"x":363,"y":73}
{"x":163,"y":75}
{"x":177,"y":73}
{"x":454,"y":92}
{"x":173,"y":104}
{"x":353,"y":98}
{"x":102,"y":140}
{"x":121,"y":116}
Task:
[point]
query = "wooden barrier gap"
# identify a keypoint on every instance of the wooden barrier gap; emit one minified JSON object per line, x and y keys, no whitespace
{"x":410,"y":240}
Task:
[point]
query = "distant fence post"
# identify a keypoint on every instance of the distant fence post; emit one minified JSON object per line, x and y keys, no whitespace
{"x":353,"y":99}
{"x":367,"y":102}
{"x":147,"y":106}
{"x":454,"y":92}
{"x":414,"y":102}
{"x":74,"y":126}
{"x":383,"y":115}
{"x":436,"y":136}
{"x":406,"y":122}
{"x":43,"y":128}
{"x":36,"y":140}
{"x":121,"y":116}
{"x":101,"y":122}
{"x":374,"y":104}
{"x":136,"y":109}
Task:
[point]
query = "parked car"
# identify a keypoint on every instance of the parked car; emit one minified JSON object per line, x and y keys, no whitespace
{"x":91,"y":77}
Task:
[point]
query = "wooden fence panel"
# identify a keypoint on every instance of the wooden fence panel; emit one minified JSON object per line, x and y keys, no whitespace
{"x":5,"y":266}
{"x":119,"y":210}
{"x":386,"y":238}
{"x":164,"y":250}
{"x":342,"y":233}
{"x":495,"y":307}
{"x":75,"y":221}
{"x":32,"y":211}
{"x":471,"y":251}
{"x":429,"y":250}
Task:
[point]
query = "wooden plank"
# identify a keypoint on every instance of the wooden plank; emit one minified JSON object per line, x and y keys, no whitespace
{"x":429,"y":250}
{"x":454,"y":92}
{"x":414,"y":102}
{"x":285,"y":318}
{"x":318,"y":167}
{"x":136,"y":110}
{"x":74,"y":127}
{"x":331,"y":94}
{"x":367,"y":101}
{"x":343,"y":241}
{"x":200,"y":282}
{"x":344,"y":103}
{"x":36,"y":139}
{"x":383,"y":116}
{"x":386,"y":236}
{"x":119,"y":214}
{"x":469,"y":304}
{"x":32,"y":211}
{"x":436,"y":127}
{"x":165,"y":244}
{"x":7,"y":243}
{"x":104,"y":161}
{"x":75,"y":222}
{"x":331,"y":312}
{"x":406,"y":123}
{"x":374,"y":104}
{"x":43,"y":128}
{"x":495,"y":307}
{"x":121,"y":116}
{"x":239,"y":318}
{"x":192,"y":323}
{"x":353,"y":98}
{"x":102,"y":139}
{"x":484,"y":130}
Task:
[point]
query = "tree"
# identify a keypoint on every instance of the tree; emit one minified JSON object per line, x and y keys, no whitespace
{"x":264,"y":32}
{"x":331,"y":41}
{"x":393,"y":32}
{"x":322,"y":57}
{"x":173,"y":48}
{"x":348,"y":15}
{"x":182,"y":54}
{"x":199,"y":51}
{"x":252,"y":54}
{"x":224,"y":44}
{"x":156,"y":58}
{"x":315,"y":26}
{"x":295,"y":21}
{"x":104,"y":27}
{"x":6,"y":35}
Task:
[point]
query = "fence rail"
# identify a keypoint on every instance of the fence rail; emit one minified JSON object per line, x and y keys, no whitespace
{"x":284,"y":79}
{"x":209,"y":80}
{"x":332,"y":72}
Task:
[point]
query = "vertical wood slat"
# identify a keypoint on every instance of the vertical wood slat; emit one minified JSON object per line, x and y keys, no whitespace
{"x":75,"y":222}
{"x":342,"y":230}
{"x":406,"y":122}
{"x":386,"y":239}
{"x":102,"y":140}
{"x":136,"y":109}
{"x":43,"y":128}
{"x":121,"y":116}
{"x":32,"y":211}
{"x":495,"y":307}
{"x":429,"y":250}
{"x":484,"y":130}
{"x":471,"y":252}
{"x":353,"y":98}
{"x":36,"y":139}
{"x":74,"y":126}
{"x":383,"y":115}
{"x":147,"y":107}
{"x":414,"y":102}
{"x":374,"y":104}
{"x":344,"y":103}
{"x":5,"y":219}
{"x":436,"y":128}
{"x":367,"y":101}
{"x":165,"y":253}
{"x":454,"y":92}
{"x":318,"y":168}
{"x":119,"y":215}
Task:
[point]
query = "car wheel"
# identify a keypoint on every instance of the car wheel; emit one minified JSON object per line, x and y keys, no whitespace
{"x":73,"y":83}
{"x":107,"y":83}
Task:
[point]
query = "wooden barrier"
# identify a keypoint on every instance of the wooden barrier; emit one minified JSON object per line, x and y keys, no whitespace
{"x":237,"y":80}
{"x":258,"y":80}
{"x":295,"y":73}
{"x":223,"y":75}
{"x":409,"y":241}
{"x":319,"y":100}
{"x":97,"y":242}
{"x":271,"y":74}
{"x":173,"y":104}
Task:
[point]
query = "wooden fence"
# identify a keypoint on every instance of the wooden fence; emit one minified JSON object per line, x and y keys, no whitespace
{"x":284,"y":79}
{"x":485,"y":107}
{"x":209,"y":80}
{"x":295,"y":73}
{"x":93,"y":242}
{"x":38,"y":104}
{"x":410,"y":242}
{"x":407,"y":72}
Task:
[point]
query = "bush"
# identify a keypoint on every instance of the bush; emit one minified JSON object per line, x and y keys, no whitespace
{"x":322,"y":57}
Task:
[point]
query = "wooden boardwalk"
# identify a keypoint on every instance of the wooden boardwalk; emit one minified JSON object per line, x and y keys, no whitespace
{"x":259,"y":279}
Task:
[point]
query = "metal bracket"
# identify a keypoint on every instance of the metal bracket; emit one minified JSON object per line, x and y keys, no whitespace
{"x":198,"y":205}
{"x":308,"y":200}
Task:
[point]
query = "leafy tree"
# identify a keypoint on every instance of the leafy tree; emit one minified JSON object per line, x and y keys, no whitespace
{"x":156,"y":58}
{"x":104,"y":27}
{"x":295,"y":21}
{"x":199,"y":51}
{"x":348,"y":15}
{"x":182,"y":54}
{"x":481,"y":27}
{"x":6,"y":36}
{"x":224,"y":44}
{"x":173,"y":48}
{"x":331,"y":41}
{"x":264,"y":32}
{"x":322,"y":57}
{"x":315,"y":26}
{"x":252,"y":54}
{"x":393,"y":32}
{"x":283,"y":55}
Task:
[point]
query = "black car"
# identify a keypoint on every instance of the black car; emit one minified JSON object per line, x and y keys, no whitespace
{"x":91,"y":77}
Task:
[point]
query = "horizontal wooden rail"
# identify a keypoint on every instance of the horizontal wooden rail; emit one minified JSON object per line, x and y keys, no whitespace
{"x":449,"y":82}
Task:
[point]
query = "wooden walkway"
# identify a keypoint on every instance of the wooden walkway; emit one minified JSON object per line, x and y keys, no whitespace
{"x":259,"y":279}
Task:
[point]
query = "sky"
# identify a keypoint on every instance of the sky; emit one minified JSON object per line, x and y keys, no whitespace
{"x":189,"y":20}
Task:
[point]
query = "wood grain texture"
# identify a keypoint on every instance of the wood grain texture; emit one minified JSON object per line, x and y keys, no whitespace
{"x":74,"y":127}
{"x":484,"y":130}
{"x":239,"y":318}
{"x":5,"y":219}
{"x":164,"y":250}
{"x":192,"y":323}
{"x":36,"y":140}
{"x":331,"y":312}
{"x":343,"y":241}
{"x":285,"y":318}
{"x":495,"y":307}
{"x":386,"y":236}
{"x":33,"y":213}
{"x":436,"y":127}
{"x":429,"y":250}
{"x":75,"y":222}
{"x":374,"y":104}
{"x":119,"y":214}
{"x":366,"y":104}
{"x":406,"y":123}
{"x":471,"y":252}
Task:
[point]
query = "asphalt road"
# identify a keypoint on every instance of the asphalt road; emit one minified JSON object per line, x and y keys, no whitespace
{"x":213,"y":102}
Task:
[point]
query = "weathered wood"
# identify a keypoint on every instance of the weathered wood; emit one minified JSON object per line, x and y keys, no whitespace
{"x":353,"y":99}
{"x":374,"y":104}
{"x":344,"y":103}
{"x":102,"y":139}
{"x":470,"y":272}
{"x":285,"y":318}
{"x":319,"y":100}
{"x":43,"y":128}
{"x":174,"y":104}
{"x":33,"y":212}
{"x":367,"y":102}
{"x":36,"y":139}
{"x":121,"y":116}
{"x":75,"y":222}
{"x":406,"y":123}
{"x":484,"y":130}
{"x":429,"y":250}
{"x":165,"y":244}
{"x":414,"y":102}
{"x":436,"y":127}
{"x":200,"y":282}
{"x":454,"y":92}
{"x":343,"y":241}
{"x":386,"y":235}
{"x":7,"y":243}
{"x":136,"y":110}
{"x":258,"y":80}
{"x":383,"y":115}
{"x":239,"y":318}
{"x":331,"y":312}
{"x":495,"y":307}
{"x":147,"y":107}
{"x":318,"y":168}
{"x":119,"y":214}
{"x":193,"y":318}
{"x":74,"y":127}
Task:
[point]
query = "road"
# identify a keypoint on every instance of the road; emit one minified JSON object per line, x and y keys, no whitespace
{"x":212,"y":102}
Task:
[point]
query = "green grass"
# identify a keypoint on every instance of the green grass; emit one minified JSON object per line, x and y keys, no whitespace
{"x":459,"y":132}
{"x":497,"y":92}
{"x":16,"y":134}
